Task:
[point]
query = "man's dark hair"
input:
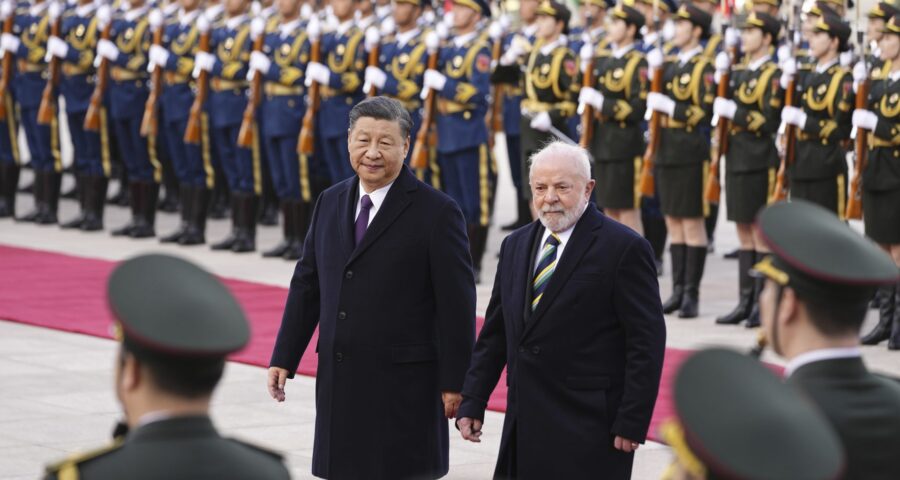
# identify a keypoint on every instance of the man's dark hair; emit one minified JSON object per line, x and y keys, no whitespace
{"x":188,"y":378}
{"x":382,"y":108}
{"x":835,"y":317}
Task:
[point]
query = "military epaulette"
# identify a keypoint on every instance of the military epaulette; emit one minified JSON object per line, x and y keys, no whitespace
{"x":65,"y":468}
{"x":267,"y":451}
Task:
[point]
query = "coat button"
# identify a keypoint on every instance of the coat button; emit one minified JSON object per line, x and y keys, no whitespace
{"x":342,"y":315}
{"x":536,"y":350}
{"x":349,"y":274}
{"x":521,"y":349}
{"x":339,"y":357}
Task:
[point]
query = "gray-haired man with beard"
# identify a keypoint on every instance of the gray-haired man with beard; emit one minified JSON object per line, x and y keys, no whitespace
{"x":575,"y":315}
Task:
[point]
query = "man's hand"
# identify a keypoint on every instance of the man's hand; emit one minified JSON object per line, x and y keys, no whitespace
{"x":277,"y":377}
{"x":451,"y":403}
{"x":625,"y":445}
{"x":470,"y":429}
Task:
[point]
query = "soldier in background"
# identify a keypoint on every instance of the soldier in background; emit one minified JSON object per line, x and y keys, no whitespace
{"x":753,"y":110}
{"x":619,"y":101}
{"x":9,"y":132}
{"x":879,"y":15}
{"x":590,"y":39}
{"x":771,"y":8}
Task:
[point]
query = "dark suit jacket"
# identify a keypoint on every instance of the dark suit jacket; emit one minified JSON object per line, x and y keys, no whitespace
{"x":864,"y":410}
{"x":585,"y":366}
{"x":183,"y":448}
{"x":396,"y":319}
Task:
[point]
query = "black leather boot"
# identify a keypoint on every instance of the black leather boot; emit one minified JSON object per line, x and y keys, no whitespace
{"x":524,"y":216}
{"x":302,"y":213}
{"x":51,"y":185}
{"x":38,"y":190}
{"x":894,"y":341}
{"x":148,"y":195}
{"x":886,"y":316}
{"x":94,"y":203}
{"x":197,"y":204}
{"x":9,"y":180}
{"x":678,"y":253}
{"x":694,"y":265}
{"x":287,"y":227}
{"x":184,"y":195}
{"x":245,"y":236}
{"x":80,"y":195}
{"x":745,"y":290}
{"x":125,"y":230}
{"x":228,"y":241}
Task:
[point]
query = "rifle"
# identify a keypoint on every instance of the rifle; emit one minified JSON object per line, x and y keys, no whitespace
{"x":647,"y":184}
{"x":713,"y":191}
{"x":587,"y":116}
{"x":7,"y":59}
{"x":92,"y":117}
{"x":245,"y":135}
{"x":854,"y":202}
{"x":149,"y":121}
{"x":306,"y":143}
{"x":192,"y":131}
{"x":495,"y":122}
{"x":373,"y":61}
{"x":419,"y":157}
{"x":790,"y":131}
{"x":47,"y":110}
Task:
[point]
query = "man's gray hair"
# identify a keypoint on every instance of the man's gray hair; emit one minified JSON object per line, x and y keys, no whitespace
{"x":559,"y":149}
{"x":382,"y":108}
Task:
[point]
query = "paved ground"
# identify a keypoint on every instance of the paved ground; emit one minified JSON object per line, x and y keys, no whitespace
{"x":56,"y":388}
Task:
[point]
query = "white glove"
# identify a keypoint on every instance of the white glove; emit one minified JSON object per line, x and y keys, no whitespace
{"x":259,"y":62}
{"x":788,"y":70}
{"x":203,"y":62}
{"x":442,"y":30}
{"x":589,"y":96}
{"x":495,"y":31}
{"x":257,"y":27}
{"x":159,"y":56}
{"x":373,"y":37}
{"x":793,"y":116}
{"x":316,"y":72}
{"x":104,"y":16}
{"x":859,"y":72}
{"x":387,"y":26}
{"x":846,"y":58}
{"x":724,"y":108}
{"x":9,"y":43}
{"x":155,"y":18}
{"x":723,"y":61}
{"x":57,"y":47}
{"x":660,"y":103}
{"x":541,"y":122}
{"x":54,"y":10}
{"x":107,"y":50}
{"x":306,"y":11}
{"x":434,"y":80}
{"x":6,"y":9}
{"x":732,"y":37}
{"x":783,"y":53}
{"x":586,"y":53}
{"x":511,"y":57}
{"x":375,"y":76}
{"x":654,"y":58}
{"x":865,"y":119}
{"x":203,"y":23}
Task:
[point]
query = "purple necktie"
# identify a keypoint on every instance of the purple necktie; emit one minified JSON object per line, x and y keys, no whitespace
{"x":362,"y":221}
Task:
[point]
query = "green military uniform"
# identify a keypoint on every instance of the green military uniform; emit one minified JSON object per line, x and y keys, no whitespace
{"x":840,"y":266}
{"x":617,"y":143}
{"x":551,"y":84}
{"x":758,"y":429}
{"x":197,"y":325}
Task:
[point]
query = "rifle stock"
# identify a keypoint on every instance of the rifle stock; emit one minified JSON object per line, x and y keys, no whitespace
{"x":373,"y":62}
{"x":149,"y":122}
{"x":192,"y":131}
{"x":854,"y":202}
{"x":47,"y":110}
{"x":419,"y":157}
{"x":306,"y":143}
{"x":7,"y":67}
{"x":495,"y":125}
{"x":245,"y":135}
{"x":92,"y":117}
{"x":587,"y":116}
{"x":647,"y":184}
{"x":713,"y":191}
{"x":790,"y":139}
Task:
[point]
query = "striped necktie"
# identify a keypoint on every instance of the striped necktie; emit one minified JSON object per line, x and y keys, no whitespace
{"x":544,"y":269}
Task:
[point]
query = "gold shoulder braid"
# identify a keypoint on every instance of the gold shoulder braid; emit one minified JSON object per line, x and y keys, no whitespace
{"x":827,"y":101}
{"x":348,"y":56}
{"x":184,"y":47}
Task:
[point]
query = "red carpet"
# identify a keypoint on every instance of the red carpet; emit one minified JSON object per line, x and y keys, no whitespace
{"x":66,"y":293}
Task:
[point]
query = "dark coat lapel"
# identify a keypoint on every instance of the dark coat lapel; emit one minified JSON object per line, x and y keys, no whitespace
{"x":526,"y":279}
{"x":347,"y":207}
{"x":580,"y":242}
{"x":397,"y":199}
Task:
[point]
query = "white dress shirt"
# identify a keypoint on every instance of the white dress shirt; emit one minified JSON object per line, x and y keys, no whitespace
{"x":563,"y":240}
{"x":377,"y":198}
{"x":818,"y":356}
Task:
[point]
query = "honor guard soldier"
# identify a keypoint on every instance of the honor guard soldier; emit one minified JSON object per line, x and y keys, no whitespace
{"x":813,"y":306}
{"x":683,"y":154}
{"x":91,"y":156}
{"x":297,"y":180}
{"x":462,"y":85}
{"x":715,"y":43}
{"x":760,"y":429}
{"x":881,"y":176}
{"x":879,"y":15}
{"x":27,"y":44}
{"x":9,"y":128}
{"x":401,"y":62}
{"x":171,"y":357}
{"x":771,"y":8}
{"x":591,"y":38}
{"x":753,"y":110}
{"x":651,"y":8}
{"x":227,"y":66}
{"x":192,"y":162}
{"x":126,"y":52}
{"x":341,"y":76}
{"x":618,"y":101}
{"x":819,"y":170}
